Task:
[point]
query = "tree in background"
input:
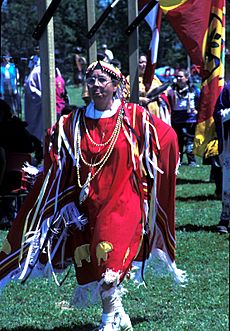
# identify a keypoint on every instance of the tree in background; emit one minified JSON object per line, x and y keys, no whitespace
{"x":19,"y":19}
{"x":70,"y":31}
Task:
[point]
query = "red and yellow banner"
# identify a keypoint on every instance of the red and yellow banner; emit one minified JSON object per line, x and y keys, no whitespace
{"x":200,"y":25}
{"x":189,"y":19}
{"x":212,"y":76}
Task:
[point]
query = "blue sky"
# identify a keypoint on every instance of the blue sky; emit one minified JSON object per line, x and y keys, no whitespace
{"x":105,"y":2}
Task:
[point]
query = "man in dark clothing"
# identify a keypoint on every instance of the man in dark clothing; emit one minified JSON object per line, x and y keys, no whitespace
{"x":15,"y":143}
{"x":222,"y":122}
{"x":14,"y":137}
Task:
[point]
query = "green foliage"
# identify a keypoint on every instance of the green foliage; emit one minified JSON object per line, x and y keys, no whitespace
{"x":202,"y":305}
{"x":69,"y":32}
{"x":18,"y":23}
{"x":70,"y":29}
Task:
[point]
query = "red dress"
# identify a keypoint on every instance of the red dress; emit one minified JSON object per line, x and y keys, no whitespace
{"x":134,"y":188}
{"x":113,"y":206}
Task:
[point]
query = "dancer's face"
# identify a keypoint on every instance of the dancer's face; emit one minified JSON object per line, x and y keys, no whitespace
{"x":101,"y":89}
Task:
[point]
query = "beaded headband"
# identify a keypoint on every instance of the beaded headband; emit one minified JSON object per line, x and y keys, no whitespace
{"x":107,"y":67}
{"x":113,"y":72}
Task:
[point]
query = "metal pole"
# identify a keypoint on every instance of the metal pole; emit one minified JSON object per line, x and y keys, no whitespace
{"x":133,"y":53}
{"x":46,"y":45}
{"x":92,"y":45}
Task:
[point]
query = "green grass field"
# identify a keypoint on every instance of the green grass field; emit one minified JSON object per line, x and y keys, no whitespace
{"x":201,"y":306}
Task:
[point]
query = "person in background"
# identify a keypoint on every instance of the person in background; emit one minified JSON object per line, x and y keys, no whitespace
{"x":157,"y":105}
{"x":85,"y":94}
{"x":33,"y":100}
{"x":34,"y":60}
{"x":222,"y":122}
{"x":61,"y":93}
{"x":79,"y":66}
{"x":9,"y":84}
{"x":14,"y":140}
{"x":211,"y":158}
{"x":33,"y":103}
{"x":183,"y":98}
{"x":105,"y":201}
{"x":14,"y":136}
{"x":108,"y":54}
{"x":195,"y":76}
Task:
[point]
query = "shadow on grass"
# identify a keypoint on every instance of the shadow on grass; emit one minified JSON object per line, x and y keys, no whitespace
{"x":198,"y":198}
{"x":181,"y":181}
{"x":138,"y":319}
{"x":196,"y":228}
{"x":86,"y":327}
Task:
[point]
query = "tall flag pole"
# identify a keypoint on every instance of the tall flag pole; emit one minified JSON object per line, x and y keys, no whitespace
{"x":90,"y":18}
{"x":200,"y":25}
{"x":133,"y":52}
{"x":153,"y":18}
{"x":46,"y":44}
{"x":148,"y":10}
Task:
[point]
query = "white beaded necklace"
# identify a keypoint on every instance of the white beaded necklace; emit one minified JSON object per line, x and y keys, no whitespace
{"x":78,"y":155}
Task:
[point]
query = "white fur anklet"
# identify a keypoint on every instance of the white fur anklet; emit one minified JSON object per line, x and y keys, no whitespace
{"x":107,"y":318}
{"x":118,"y":307}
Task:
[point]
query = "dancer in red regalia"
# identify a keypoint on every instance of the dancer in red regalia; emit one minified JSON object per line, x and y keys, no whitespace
{"x":104,"y":202}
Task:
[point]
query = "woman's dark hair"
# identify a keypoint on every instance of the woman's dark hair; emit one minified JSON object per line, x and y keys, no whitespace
{"x":187,"y":75}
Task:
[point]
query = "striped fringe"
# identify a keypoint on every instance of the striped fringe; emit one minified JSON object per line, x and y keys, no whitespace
{"x":43,"y":238}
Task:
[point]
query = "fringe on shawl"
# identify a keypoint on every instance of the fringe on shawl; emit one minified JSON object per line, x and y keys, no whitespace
{"x":58,"y":223}
{"x":69,"y":216}
{"x":38,"y":234}
{"x":161,"y":265}
{"x":159,"y":259}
